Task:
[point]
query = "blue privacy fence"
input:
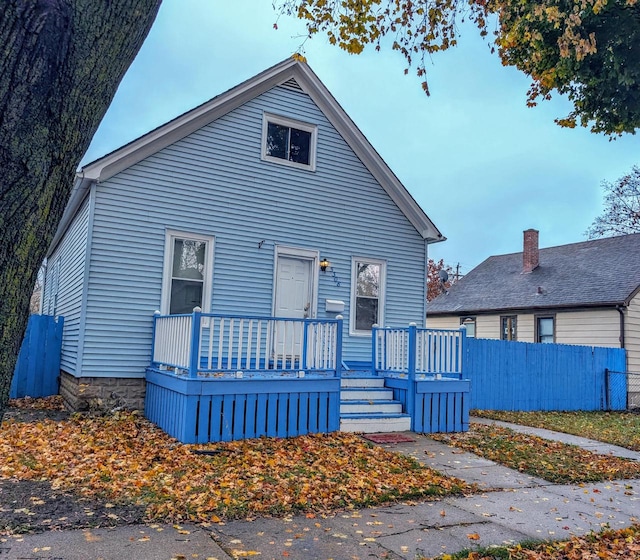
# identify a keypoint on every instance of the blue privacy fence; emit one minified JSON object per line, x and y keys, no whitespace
{"x":38,"y":367}
{"x":526,"y":376}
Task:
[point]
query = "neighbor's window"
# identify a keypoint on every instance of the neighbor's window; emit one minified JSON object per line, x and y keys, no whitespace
{"x":288,"y":141}
{"x":545,"y":329}
{"x":187,"y":273}
{"x":508,"y":328}
{"x":367,"y":295}
{"x":470,"y":324}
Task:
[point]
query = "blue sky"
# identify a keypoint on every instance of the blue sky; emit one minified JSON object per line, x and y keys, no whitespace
{"x":481,"y":164}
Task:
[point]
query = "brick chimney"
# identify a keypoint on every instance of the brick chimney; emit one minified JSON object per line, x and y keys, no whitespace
{"x":530,"y":251}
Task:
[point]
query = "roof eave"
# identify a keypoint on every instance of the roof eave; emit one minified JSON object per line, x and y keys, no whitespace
{"x":368,"y":155}
{"x":564,"y":306}
{"x":81,"y":189}
{"x":183,"y":125}
{"x":180,"y":127}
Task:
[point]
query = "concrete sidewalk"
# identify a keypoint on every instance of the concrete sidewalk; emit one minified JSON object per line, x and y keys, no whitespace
{"x":525,"y":507}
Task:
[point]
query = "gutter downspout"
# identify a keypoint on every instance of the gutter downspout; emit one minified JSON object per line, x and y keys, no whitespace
{"x":620,"y":310}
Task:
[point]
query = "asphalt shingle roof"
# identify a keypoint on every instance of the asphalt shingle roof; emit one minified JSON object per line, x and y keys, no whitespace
{"x":591,"y":273}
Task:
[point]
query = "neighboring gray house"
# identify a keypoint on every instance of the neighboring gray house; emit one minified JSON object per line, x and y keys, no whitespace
{"x":583,"y":293}
{"x":266,"y":200}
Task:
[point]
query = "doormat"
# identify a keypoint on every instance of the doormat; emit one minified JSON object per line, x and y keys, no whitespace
{"x":388,"y":438}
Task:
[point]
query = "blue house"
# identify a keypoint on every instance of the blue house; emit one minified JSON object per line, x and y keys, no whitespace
{"x":268,"y":212}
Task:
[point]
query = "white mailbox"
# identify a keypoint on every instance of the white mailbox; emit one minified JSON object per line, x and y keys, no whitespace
{"x":333,"y":306}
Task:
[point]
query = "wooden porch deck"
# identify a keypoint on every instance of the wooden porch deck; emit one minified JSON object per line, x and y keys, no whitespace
{"x":216,"y":378}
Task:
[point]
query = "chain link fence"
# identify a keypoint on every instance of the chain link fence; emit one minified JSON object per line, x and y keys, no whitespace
{"x":623,"y":390}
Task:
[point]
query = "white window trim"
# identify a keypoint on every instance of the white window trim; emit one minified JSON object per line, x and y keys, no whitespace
{"x":291,"y":123}
{"x":306,"y":254}
{"x":381,"y":297}
{"x":170,"y":236}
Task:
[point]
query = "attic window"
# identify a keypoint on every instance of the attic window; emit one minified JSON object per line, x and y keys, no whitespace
{"x":289,"y":142}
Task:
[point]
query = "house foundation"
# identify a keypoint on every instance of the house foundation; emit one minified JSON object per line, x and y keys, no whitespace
{"x":101,"y":393}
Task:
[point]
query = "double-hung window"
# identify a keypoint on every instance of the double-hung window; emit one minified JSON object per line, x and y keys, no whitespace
{"x":188,"y":264}
{"x":289,"y":142}
{"x":508,"y":327}
{"x":545,"y":329}
{"x":367,"y":294}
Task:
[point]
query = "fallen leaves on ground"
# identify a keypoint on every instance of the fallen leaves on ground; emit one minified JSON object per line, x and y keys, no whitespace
{"x":43,"y":403}
{"x":123,"y":457}
{"x":621,"y":544}
{"x":552,"y":460}
{"x":617,"y":428}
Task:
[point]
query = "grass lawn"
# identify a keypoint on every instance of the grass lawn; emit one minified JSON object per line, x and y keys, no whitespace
{"x":621,"y":544}
{"x":123,"y":458}
{"x":617,"y":428}
{"x":554,"y":461}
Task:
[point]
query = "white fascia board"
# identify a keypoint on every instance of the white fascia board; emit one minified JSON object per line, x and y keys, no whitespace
{"x":81,"y":189}
{"x":180,"y":127}
{"x":367,"y":154}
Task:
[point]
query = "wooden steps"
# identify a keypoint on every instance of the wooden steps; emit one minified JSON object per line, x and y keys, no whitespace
{"x":367,"y":406}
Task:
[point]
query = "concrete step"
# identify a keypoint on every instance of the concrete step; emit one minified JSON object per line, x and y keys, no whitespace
{"x":362,"y":382}
{"x":371,"y":407}
{"x":372,"y":423}
{"x":365,"y":394}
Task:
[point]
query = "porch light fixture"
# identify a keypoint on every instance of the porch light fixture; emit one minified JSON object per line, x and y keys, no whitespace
{"x":324,"y":264}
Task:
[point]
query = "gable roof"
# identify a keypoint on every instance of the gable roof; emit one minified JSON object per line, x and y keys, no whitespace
{"x":601,"y":272}
{"x":292,"y":73}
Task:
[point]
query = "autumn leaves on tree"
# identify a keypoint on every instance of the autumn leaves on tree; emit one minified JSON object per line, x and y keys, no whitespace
{"x":436,"y":283}
{"x":586,"y":49}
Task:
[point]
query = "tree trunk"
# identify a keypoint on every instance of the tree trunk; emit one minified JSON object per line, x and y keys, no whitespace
{"x":61,"y":64}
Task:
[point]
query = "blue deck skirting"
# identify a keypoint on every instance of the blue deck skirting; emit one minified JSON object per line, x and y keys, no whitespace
{"x":211,"y":410}
{"x":438,"y":405}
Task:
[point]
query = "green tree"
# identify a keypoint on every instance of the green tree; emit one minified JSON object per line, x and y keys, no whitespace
{"x":61,"y":64}
{"x":621,"y":213}
{"x":588,"y":50}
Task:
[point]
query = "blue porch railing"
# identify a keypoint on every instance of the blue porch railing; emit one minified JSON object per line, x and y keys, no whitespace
{"x":219,"y":377}
{"x":208,"y":344}
{"x":418,"y":352}
{"x":424,"y":367}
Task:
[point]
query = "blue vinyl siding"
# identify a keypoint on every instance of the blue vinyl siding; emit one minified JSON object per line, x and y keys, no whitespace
{"x":71,"y":253}
{"x":213,"y":182}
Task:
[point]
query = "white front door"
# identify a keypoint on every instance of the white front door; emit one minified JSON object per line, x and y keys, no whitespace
{"x":293,"y":300}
